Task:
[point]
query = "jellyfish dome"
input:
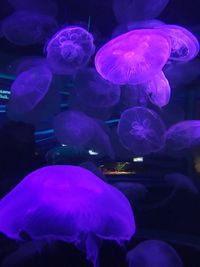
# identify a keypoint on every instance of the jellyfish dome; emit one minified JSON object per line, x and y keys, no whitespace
{"x":69,"y":50}
{"x":141,"y":130}
{"x":184,"y":44}
{"x":134,"y":57}
{"x":67,"y":203}
{"x":28,"y":28}
{"x":153,"y":253}
{"x":27,"y":90}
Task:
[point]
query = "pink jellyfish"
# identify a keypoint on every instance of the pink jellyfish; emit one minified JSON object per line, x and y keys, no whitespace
{"x":153,"y":253}
{"x":70,"y":204}
{"x":141,"y":130}
{"x":184,"y":44}
{"x":69,"y":50}
{"x":134,"y":57}
{"x":27,"y":28}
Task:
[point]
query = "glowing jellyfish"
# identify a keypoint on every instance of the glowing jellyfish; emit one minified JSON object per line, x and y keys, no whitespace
{"x":69,"y":50}
{"x":70,"y":204}
{"x":153,"y":253}
{"x":134,"y":57}
{"x":27,"y":28}
{"x":141,"y":130}
{"x":134,"y":10}
{"x":158,"y":90}
{"x":78,"y":130}
{"x":184,"y":44}
{"x":94,"y":91}
{"x":29,"y":89}
{"x":183,"y":135}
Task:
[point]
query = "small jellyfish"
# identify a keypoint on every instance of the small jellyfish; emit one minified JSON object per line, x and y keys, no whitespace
{"x":158,"y":90}
{"x":69,"y":50}
{"x":141,"y":130}
{"x":70,"y":204}
{"x":153,"y":253}
{"x":136,"y":10}
{"x":134,"y":57}
{"x":27,"y":28}
{"x":184,"y":44}
{"x":94,"y":91}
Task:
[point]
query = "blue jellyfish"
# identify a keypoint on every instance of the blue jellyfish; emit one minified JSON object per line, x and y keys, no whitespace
{"x":70,"y":204}
{"x":69,"y":50}
{"x":153,"y":253}
{"x":27,"y":28}
{"x":184,"y":44}
{"x":141,"y":130}
{"x":134,"y":57}
{"x":135,"y":10}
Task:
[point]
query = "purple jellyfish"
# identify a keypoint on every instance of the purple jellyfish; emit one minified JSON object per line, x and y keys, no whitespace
{"x":78,"y":130}
{"x":69,"y":50}
{"x":183,"y":135}
{"x":184,"y":44}
{"x":135,"y":10}
{"x":158,"y":90}
{"x":134,"y":57}
{"x":141,"y":130}
{"x":29,"y":89}
{"x":27,"y":28}
{"x":70,"y":204}
{"x":153,"y":253}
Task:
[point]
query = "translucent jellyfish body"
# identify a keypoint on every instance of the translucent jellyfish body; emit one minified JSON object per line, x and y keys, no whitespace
{"x":27,"y":28}
{"x":69,"y":50}
{"x":134,"y":10}
{"x":153,"y":253}
{"x":141,"y":130}
{"x":78,"y":130}
{"x":184,"y":44}
{"x":94,"y":91}
{"x":134,"y":57}
{"x":29,"y":89}
{"x":67,"y":203}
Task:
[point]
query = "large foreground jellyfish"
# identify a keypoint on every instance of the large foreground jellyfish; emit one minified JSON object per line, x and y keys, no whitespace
{"x":183,"y":135}
{"x":67,"y":203}
{"x":141,"y":130}
{"x":69,"y":50}
{"x":134,"y":57}
{"x":184,"y":44}
{"x":27,"y":28}
{"x":134,"y":10}
{"x":78,"y":130}
{"x":94,"y":91}
{"x":154,"y":253}
{"x":29,"y":88}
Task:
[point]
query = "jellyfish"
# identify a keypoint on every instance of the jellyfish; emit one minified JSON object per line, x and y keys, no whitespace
{"x":78,"y":130}
{"x":158,"y":90}
{"x":183,"y":135}
{"x":69,"y":50}
{"x":141,"y":130}
{"x":184,"y":44}
{"x":134,"y":57}
{"x":70,"y":204}
{"x":153,"y":253}
{"x":94,"y":91}
{"x":136,"y":10}
{"x":28,"y":28}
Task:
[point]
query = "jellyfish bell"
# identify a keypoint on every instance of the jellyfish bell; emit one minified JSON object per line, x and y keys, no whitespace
{"x":141,"y":131}
{"x":184,"y":45}
{"x":28,"y":28}
{"x":154,"y":253}
{"x":69,"y":50}
{"x":134,"y":57}
{"x":70,"y":204}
